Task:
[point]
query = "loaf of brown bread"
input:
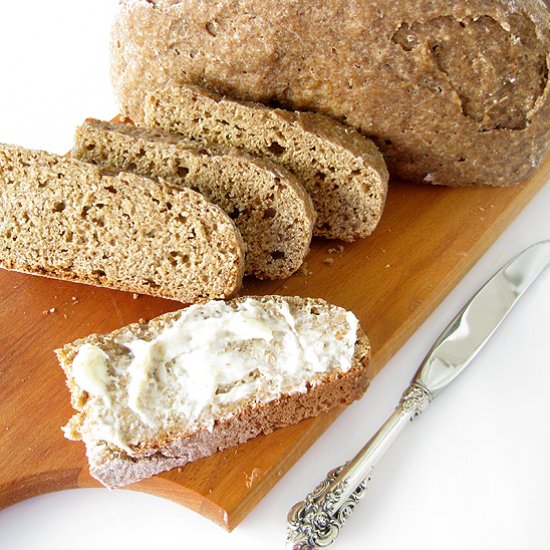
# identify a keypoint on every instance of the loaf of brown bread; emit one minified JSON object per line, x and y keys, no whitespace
{"x":344,"y":172}
{"x":152,"y":397}
{"x":66,"y":219}
{"x":269,"y":205}
{"x":455,"y":93}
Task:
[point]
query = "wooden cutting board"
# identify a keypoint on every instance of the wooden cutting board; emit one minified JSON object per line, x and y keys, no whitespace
{"x":429,"y":238}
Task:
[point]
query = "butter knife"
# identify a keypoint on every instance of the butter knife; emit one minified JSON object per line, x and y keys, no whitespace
{"x":316,"y":521}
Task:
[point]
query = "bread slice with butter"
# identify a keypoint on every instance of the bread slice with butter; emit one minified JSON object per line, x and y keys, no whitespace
{"x":152,"y":397}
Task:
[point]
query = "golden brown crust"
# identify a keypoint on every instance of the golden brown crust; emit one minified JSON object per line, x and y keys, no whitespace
{"x":455,"y":93}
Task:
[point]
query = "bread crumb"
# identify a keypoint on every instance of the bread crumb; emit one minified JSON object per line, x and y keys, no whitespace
{"x":65,"y":316}
{"x":304,"y":271}
{"x":387,"y":266}
{"x":482,"y":209}
{"x":338,"y":250}
{"x":50,"y":311}
{"x":142,"y":321}
{"x":135,"y":296}
{"x":328,"y":261}
{"x":254,"y":475}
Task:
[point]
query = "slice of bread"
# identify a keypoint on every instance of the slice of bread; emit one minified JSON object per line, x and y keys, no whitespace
{"x":67,"y":219}
{"x":268,"y":204}
{"x":343,"y":171}
{"x":151,"y":397}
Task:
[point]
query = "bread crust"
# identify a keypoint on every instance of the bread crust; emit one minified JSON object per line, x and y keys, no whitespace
{"x":455,"y":93}
{"x":115,"y":468}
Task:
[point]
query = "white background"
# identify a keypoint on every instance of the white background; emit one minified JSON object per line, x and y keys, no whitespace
{"x":471,"y":473}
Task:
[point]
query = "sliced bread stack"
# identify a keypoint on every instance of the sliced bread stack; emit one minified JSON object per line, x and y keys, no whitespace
{"x":152,"y":397}
{"x":268,"y":204}
{"x":342,"y":170}
{"x":215,"y":188}
{"x":63,"y":218}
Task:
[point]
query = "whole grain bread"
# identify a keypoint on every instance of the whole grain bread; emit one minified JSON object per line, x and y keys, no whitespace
{"x":269,"y":205}
{"x":454,"y":93}
{"x":66,"y":219}
{"x":116,"y":467}
{"x":343,"y":171}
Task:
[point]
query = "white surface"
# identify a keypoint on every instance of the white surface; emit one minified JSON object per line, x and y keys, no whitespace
{"x":471,"y":473}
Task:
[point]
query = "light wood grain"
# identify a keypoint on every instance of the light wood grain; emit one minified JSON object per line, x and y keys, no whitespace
{"x":428,"y":240}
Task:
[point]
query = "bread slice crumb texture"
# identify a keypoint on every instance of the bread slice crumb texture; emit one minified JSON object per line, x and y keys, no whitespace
{"x":269,"y":205}
{"x":66,"y":219}
{"x":343,"y":171}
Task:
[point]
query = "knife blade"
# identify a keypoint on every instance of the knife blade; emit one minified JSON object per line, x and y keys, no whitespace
{"x":316,"y":521}
{"x":470,"y":330}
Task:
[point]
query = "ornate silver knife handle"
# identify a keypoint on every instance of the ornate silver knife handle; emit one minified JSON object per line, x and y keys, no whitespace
{"x":316,"y":521}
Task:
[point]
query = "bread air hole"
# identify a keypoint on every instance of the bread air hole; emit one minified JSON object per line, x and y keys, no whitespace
{"x":59,"y":206}
{"x":150,"y":283}
{"x":177,"y":258}
{"x":276,"y":148}
{"x":320,"y":176}
{"x":278,"y":255}
{"x":211,"y":28}
{"x":269,"y":213}
{"x":183,"y":171}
